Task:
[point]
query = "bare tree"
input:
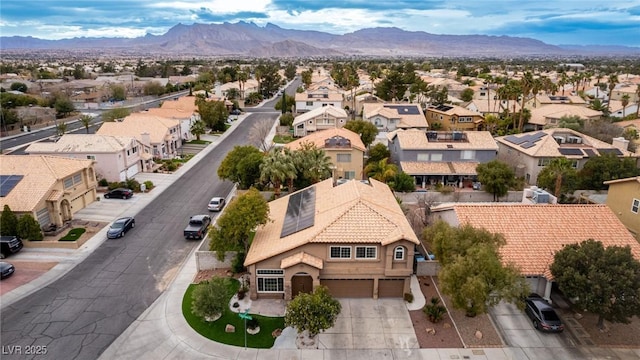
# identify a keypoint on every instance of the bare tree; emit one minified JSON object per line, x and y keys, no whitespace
{"x":258,"y":134}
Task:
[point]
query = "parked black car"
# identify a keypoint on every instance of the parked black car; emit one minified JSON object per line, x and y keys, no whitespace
{"x":542,"y":314}
{"x":120,"y":227}
{"x":6,"y":269}
{"x":235,"y":112}
{"x":9,"y":245}
{"x":119,"y":193}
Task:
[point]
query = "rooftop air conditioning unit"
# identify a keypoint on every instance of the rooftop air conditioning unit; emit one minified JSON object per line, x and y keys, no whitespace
{"x":574,"y":140}
{"x":540,"y":197}
{"x":560,"y":139}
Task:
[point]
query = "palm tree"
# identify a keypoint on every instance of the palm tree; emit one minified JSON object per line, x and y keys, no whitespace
{"x":559,"y":168}
{"x":381,"y":170}
{"x":613,"y":80}
{"x":242,"y":79}
{"x":86,"y":121}
{"x":314,"y":163}
{"x":198,"y":128}
{"x":625,"y":102}
{"x":275,"y":168}
{"x":563,"y":81}
{"x":598,"y":78}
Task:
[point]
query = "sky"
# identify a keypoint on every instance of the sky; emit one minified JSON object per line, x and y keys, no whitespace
{"x":558,"y":22}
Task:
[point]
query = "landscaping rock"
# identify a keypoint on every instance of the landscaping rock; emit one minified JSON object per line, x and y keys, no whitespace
{"x":230,"y":328}
{"x":431,"y":331}
{"x":478,"y":334}
{"x":446,"y":325}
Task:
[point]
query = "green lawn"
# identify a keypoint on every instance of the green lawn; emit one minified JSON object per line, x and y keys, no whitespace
{"x":73,"y":234}
{"x":215,"y":330}
{"x":280,"y":139}
{"x":199,"y":142}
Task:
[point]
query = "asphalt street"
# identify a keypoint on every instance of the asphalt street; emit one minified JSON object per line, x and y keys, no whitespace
{"x":82,"y":313}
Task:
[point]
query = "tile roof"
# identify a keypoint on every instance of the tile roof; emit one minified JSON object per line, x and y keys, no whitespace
{"x":534,"y":233}
{"x":349,"y":213}
{"x":414,"y":139}
{"x":177,"y":114}
{"x":136,"y":125}
{"x":336,"y":112}
{"x":454,"y":110}
{"x":318,"y":138}
{"x":494,"y":105}
{"x":540,"y":114}
{"x":409,"y":115}
{"x":40,"y":173}
{"x":83,"y":143}
{"x":330,"y":96}
{"x":637,"y":178}
{"x":439,"y":168}
{"x":547,"y":146}
{"x":301,"y":257}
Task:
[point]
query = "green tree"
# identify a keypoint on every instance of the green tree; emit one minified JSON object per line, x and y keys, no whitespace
{"x":392,"y":87}
{"x":213,"y":113}
{"x":241,"y":166}
{"x":233,"y":93}
{"x":381,"y":170}
{"x":86,"y":121}
{"x":28,"y":228}
{"x":233,"y":228}
{"x":313,"y":164}
{"x":472,"y":272}
{"x":198,"y":128}
{"x":63,"y":107}
{"x":118,"y":93}
{"x":306,"y":77}
{"x":211,"y":298}
{"x":402,"y":182}
{"x":625,"y":102}
{"x":276,"y":168}
{"x":606,"y":167}
{"x":153,"y":88}
{"x":61,"y":128}
{"x":496,"y":178}
{"x":365,"y":129}
{"x":286,"y":119}
{"x":115,"y":114}
{"x":313,"y":312}
{"x":290,"y":103}
{"x":604,"y":281}
{"x":559,"y":169}
{"x":526,"y":85}
{"x":290,"y":71}
{"x":467,"y":94}
{"x":18,"y":86}
{"x":378,"y":152}
{"x":613,"y":81}
{"x":8,"y":222}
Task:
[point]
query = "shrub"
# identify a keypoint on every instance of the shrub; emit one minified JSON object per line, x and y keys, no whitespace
{"x":447,"y":189}
{"x":28,"y":228}
{"x":408,"y":297}
{"x":253,"y":324}
{"x":133,"y":184}
{"x":211,"y":297}
{"x":115,"y":185}
{"x":8,"y":222}
{"x":434,"y":310}
{"x":149,"y":184}
{"x":103,"y":182}
{"x":237,"y":264}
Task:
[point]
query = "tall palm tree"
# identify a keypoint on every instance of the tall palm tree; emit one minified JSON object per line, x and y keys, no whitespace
{"x":625,"y":102}
{"x":563,"y":81}
{"x":314,"y":163}
{"x":559,"y":168}
{"x":613,"y":80}
{"x":381,"y":170}
{"x":242,"y":79}
{"x":526,"y":85}
{"x":86,"y":121}
{"x":598,"y":78}
{"x":276,"y":168}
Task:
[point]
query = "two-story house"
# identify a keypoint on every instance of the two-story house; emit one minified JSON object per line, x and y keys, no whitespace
{"x":442,"y":157}
{"x":313,"y":99}
{"x":322,"y":118}
{"x":453,"y":117}
{"x":161,"y":134}
{"x":389,"y":116}
{"x":352,"y":238}
{"x":550,"y":115}
{"x":50,"y":188}
{"x":183,"y":109}
{"x":344,"y":147}
{"x":117,"y":158}
{"x":624,"y":200}
{"x":529,"y":153}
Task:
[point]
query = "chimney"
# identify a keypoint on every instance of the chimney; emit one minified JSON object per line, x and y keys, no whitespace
{"x":146,"y":138}
{"x":620,"y":143}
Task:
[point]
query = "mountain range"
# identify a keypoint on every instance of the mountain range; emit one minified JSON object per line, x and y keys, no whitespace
{"x":251,"y":40}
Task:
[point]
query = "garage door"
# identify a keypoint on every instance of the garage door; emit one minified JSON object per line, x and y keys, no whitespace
{"x":354,"y":288}
{"x":390,"y":288}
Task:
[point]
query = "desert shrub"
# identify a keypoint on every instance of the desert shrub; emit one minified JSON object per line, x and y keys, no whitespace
{"x":447,"y":189}
{"x":408,"y":297}
{"x":103,"y":182}
{"x":133,"y":184}
{"x":211,"y":298}
{"x":434,"y":310}
{"x":149,"y":184}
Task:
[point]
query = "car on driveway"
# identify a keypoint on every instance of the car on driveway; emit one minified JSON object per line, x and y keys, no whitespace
{"x":235,"y":112}
{"x":6,"y":269}
{"x":119,"y":193}
{"x":542,"y":314}
{"x":216,"y":204}
{"x":120,"y":227}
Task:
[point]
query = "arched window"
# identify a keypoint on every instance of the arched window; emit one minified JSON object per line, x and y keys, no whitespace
{"x":398,"y":253}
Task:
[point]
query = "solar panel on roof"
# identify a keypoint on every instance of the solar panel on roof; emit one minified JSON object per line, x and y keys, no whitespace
{"x":405,"y":109}
{"x":515,"y":140}
{"x":610,"y":151}
{"x":7,"y":183}
{"x":570,"y":151}
{"x":300,"y":212}
{"x":443,"y":107}
{"x":527,"y":145}
{"x":590,"y":152}
{"x":537,"y":136}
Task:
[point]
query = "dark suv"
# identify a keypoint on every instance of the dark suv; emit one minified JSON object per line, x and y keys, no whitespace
{"x":119,"y":193}
{"x":9,"y":245}
{"x":542,"y":314}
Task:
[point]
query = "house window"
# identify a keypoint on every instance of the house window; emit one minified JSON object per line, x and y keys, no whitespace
{"x":77,"y":178}
{"x":68,"y":182}
{"x":398,"y":253}
{"x":543,"y":161}
{"x":574,"y":164}
{"x":423,"y":157}
{"x":635,"y":205}
{"x":366,"y":252}
{"x":128,"y":152}
{"x":309,"y":103}
{"x":344,"y":158}
{"x":467,"y":154}
{"x":270,"y":280}
{"x":436,"y":157}
{"x":340,"y":252}
{"x":91,"y":157}
{"x":349,"y":175}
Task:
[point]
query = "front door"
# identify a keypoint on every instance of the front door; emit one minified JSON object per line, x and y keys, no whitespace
{"x":300,"y":284}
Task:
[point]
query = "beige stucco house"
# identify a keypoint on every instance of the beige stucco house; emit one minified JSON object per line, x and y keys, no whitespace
{"x":550,"y":115}
{"x":322,"y":118}
{"x":50,"y":188}
{"x":454,"y":117}
{"x":344,"y":147}
{"x":392,"y":116}
{"x":352,"y":238}
{"x":313,"y":99}
{"x":117,"y":158}
{"x":624,"y":200}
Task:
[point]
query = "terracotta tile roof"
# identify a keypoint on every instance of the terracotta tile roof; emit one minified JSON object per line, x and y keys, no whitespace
{"x":454,"y":110}
{"x":177,"y":114}
{"x":330,"y":96}
{"x":349,"y":213}
{"x":540,"y":114}
{"x":55,"y":195}
{"x":534,"y":233}
{"x":637,"y":178}
{"x":397,"y":111}
{"x":414,"y":139}
{"x":301,"y":257}
{"x":40,"y":173}
{"x":547,"y":146}
{"x":494,"y":105}
{"x":439,"y":168}
{"x":318,"y":138}
{"x":337,"y":113}
{"x":136,"y":125}
{"x":83,"y":143}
